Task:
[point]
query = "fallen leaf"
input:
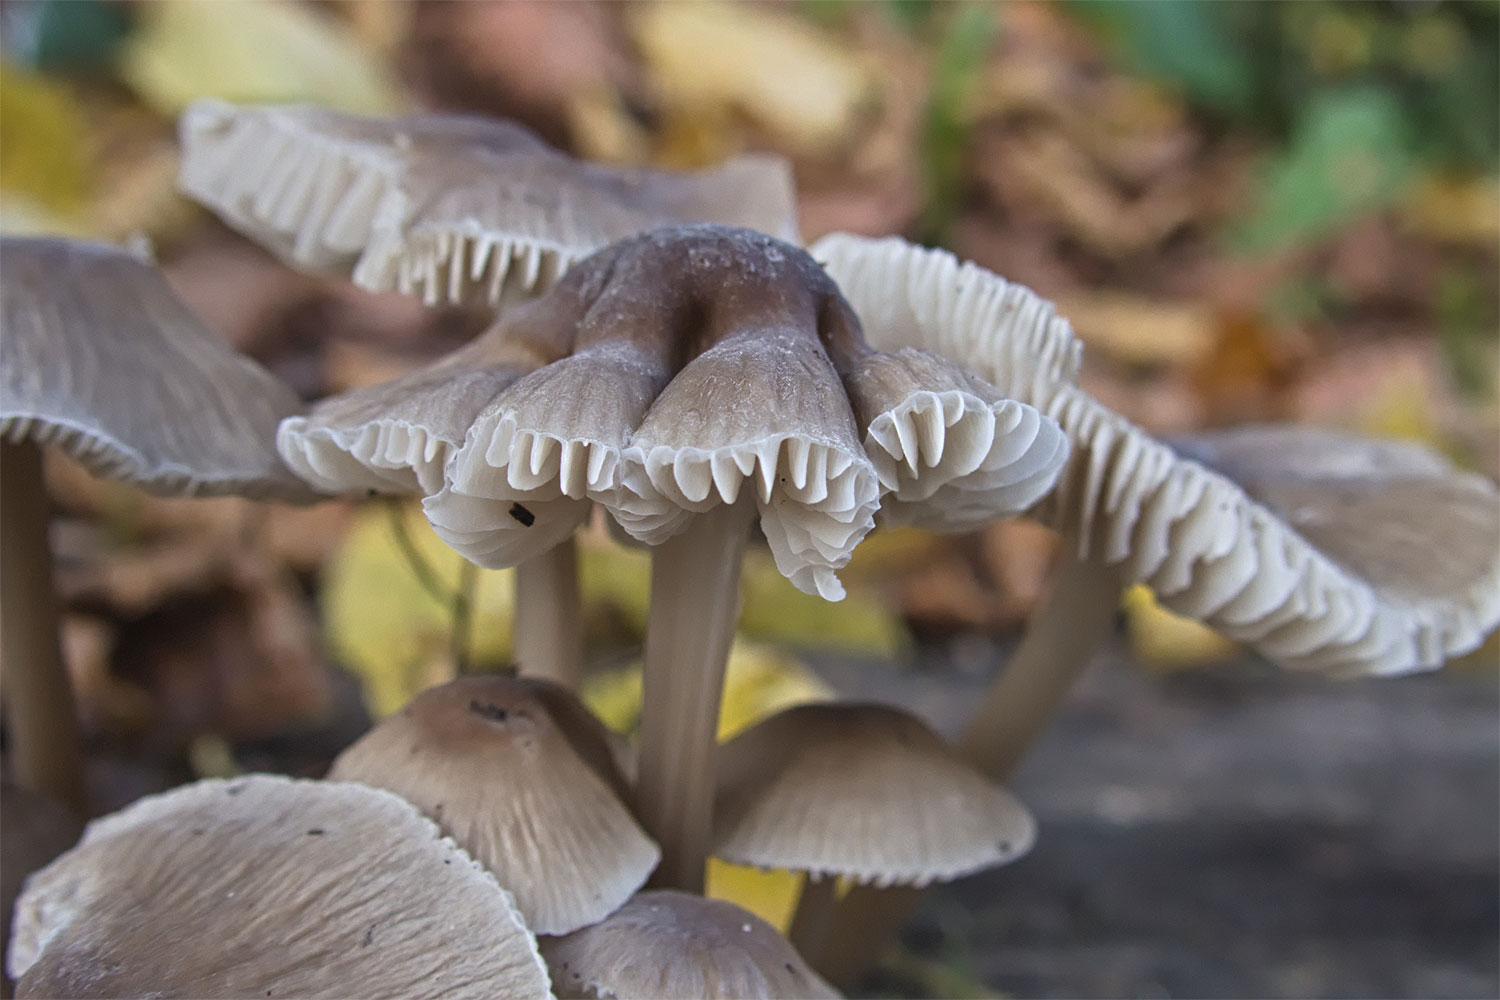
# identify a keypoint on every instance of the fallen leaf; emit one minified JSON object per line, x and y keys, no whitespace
{"x":252,"y":51}
{"x":386,"y":627}
{"x":798,"y":84}
{"x":46,"y":168}
{"x":1137,"y":330}
{"x":1161,"y":640}
{"x":757,"y":682}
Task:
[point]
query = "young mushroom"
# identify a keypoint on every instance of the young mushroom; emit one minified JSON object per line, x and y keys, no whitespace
{"x":1321,"y":550}
{"x":664,"y":945}
{"x":520,"y":774}
{"x":714,"y":375}
{"x":102,"y":361}
{"x":859,"y":791}
{"x":267,"y":887}
{"x":458,"y":209}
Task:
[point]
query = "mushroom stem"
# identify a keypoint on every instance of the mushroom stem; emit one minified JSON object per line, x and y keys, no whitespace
{"x":45,"y":751}
{"x":548,"y":637}
{"x":815,"y":909}
{"x":1061,"y":638}
{"x":694,"y":605}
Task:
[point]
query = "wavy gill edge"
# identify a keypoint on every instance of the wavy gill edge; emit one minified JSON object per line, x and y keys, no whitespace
{"x":817,"y":499}
{"x":1211,"y":551}
{"x":1002,"y":331}
{"x":323,"y":200}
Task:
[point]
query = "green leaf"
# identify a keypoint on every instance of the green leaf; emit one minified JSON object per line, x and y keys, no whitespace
{"x":1195,"y":45}
{"x":1350,"y":154}
{"x":960,"y":58}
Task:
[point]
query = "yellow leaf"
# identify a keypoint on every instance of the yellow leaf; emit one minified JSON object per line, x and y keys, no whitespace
{"x":387,"y":628}
{"x":758,"y":682}
{"x":1162,"y":640}
{"x":759,"y":61}
{"x":772,"y":610}
{"x":1139,"y":330}
{"x":44,"y":157}
{"x":770,"y":895}
{"x":269,"y":51}
{"x":775,"y":611}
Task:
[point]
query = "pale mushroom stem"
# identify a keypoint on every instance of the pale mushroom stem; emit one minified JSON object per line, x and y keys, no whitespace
{"x":548,"y":636}
{"x":815,"y":909}
{"x":1061,"y":639}
{"x":694,"y":605}
{"x":45,"y":751}
{"x":1063,"y":635}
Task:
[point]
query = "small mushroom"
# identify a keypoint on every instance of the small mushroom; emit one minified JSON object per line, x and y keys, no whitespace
{"x":521,"y":774}
{"x":458,"y":208}
{"x":101,"y":360}
{"x":663,"y":944}
{"x":861,"y":791}
{"x":267,"y":887}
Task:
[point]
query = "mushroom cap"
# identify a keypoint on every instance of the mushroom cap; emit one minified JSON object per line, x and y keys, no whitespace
{"x":266,"y":886}
{"x":664,"y":944}
{"x":1321,"y":550}
{"x":34,"y":829}
{"x":705,"y":360}
{"x":455,"y":207}
{"x":520,"y":773}
{"x":1419,"y":539}
{"x":101,"y":359}
{"x":861,"y":790}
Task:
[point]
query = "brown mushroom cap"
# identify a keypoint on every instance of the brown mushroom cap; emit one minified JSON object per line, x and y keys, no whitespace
{"x":861,"y":790}
{"x":1323,"y":551}
{"x":454,"y":207}
{"x":707,"y":360}
{"x":101,"y":359}
{"x":264,"y":886}
{"x":521,"y":775}
{"x":664,"y":944}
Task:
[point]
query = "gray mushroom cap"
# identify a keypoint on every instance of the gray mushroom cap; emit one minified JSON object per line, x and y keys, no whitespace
{"x":264,"y":886}
{"x":100,"y":359}
{"x":664,"y":944}
{"x":861,"y":790}
{"x":521,"y":774}
{"x":1323,"y":551}
{"x":453,"y":207}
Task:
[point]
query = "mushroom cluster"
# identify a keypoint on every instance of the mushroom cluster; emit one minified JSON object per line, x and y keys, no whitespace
{"x":659,"y":351}
{"x":475,"y":834}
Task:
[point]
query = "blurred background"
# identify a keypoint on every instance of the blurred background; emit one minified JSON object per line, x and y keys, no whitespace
{"x":1251,"y":211}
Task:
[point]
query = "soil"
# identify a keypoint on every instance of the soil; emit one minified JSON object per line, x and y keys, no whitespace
{"x":1229,"y":832}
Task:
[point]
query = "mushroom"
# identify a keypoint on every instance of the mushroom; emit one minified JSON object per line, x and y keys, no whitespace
{"x":454,"y":207}
{"x":264,"y":886}
{"x":521,"y":774}
{"x":101,"y":360}
{"x":458,"y":209}
{"x":1257,"y":537}
{"x":715,"y":374}
{"x":34,"y":829}
{"x":1322,"y":550}
{"x":664,"y":944}
{"x":859,"y":791}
